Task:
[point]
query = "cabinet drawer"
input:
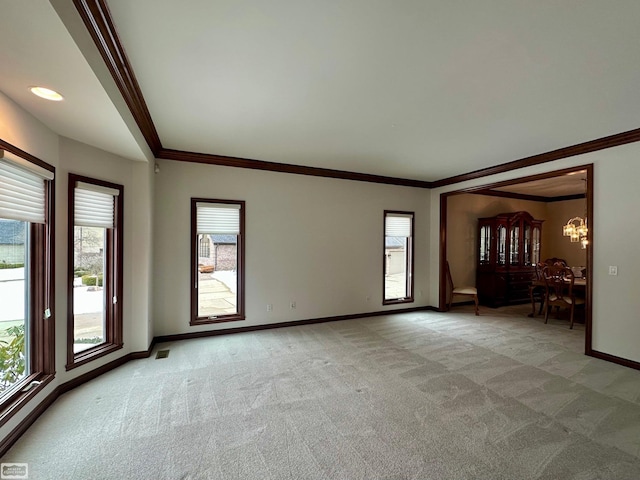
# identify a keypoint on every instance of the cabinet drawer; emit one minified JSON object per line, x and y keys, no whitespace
{"x":524,"y":277}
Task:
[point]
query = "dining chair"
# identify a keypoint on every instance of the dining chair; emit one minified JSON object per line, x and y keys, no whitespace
{"x":453,"y":290}
{"x":555,"y":261}
{"x":537,"y":289}
{"x":559,"y":283}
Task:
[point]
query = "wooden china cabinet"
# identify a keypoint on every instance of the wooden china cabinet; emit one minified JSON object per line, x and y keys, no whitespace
{"x":508,"y":250}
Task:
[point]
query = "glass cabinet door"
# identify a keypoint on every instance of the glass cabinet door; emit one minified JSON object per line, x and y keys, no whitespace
{"x":514,"y":245}
{"x":526,"y":245}
{"x":485,"y":244}
{"x":535,"y":245}
{"x":502,"y":245}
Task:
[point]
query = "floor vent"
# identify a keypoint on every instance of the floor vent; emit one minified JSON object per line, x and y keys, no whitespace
{"x":162,"y":354}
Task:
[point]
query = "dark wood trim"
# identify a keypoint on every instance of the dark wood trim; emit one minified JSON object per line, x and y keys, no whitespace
{"x":97,"y":18}
{"x":516,"y":181}
{"x":41,"y":284}
{"x":27,"y":156}
{"x":7,"y":442}
{"x":118,"y":273}
{"x":38,"y":295}
{"x":70,"y":267}
{"x":531,"y":198}
{"x":218,"y":319}
{"x":114,"y":255}
{"x":49,"y":353}
{"x":613,"y":359}
{"x":564,"y":198}
{"x":96,"y":372}
{"x":410,"y":287}
{"x":515,"y":196}
{"x":20,"y":398}
{"x":588,"y":337}
{"x":178,"y":155}
{"x":91,"y":354}
{"x":255,"y":328}
{"x":398,"y":301}
{"x":193,"y":272}
{"x":442,"y":293}
{"x":144,"y":353}
{"x":240,"y":252}
{"x":603,"y":143}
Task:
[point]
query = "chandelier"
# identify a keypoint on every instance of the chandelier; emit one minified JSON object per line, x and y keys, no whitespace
{"x":576,"y":227}
{"x":577,"y":231}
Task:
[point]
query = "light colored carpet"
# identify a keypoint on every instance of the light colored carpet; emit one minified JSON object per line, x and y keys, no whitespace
{"x":411,"y":396}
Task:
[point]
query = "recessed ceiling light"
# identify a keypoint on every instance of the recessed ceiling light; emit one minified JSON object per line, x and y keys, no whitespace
{"x":46,"y":93}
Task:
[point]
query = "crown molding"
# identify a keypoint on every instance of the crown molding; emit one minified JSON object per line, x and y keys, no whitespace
{"x":237,"y":162}
{"x":523,"y":196}
{"x":571,"y":151}
{"x":97,"y":18}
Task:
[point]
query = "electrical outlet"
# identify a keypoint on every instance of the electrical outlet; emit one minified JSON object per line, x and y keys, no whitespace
{"x":292,"y":305}
{"x":613,"y":270}
{"x":269,"y":307}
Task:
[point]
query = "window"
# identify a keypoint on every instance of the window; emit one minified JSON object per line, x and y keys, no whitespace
{"x":217,"y":261}
{"x":95,"y":269}
{"x":398,"y":257}
{"x":26,"y":284}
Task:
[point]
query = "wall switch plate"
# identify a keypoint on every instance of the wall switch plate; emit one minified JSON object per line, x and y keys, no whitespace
{"x":292,"y":305}
{"x":613,"y":270}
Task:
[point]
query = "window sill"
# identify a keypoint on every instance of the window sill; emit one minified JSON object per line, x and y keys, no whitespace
{"x":396,"y":301}
{"x":14,"y":402}
{"x":218,"y":319}
{"x":92,"y":354}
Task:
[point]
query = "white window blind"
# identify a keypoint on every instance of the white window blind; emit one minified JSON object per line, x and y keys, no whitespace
{"x":397,"y":225}
{"x":94,"y":205}
{"x":218,"y":218}
{"x":22,"y":189}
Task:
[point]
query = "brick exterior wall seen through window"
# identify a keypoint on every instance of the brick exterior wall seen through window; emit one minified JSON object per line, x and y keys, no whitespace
{"x":222,"y":256}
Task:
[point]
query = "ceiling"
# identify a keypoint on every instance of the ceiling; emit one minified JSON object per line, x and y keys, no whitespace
{"x":421,"y":90}
{"x":568,"y":184}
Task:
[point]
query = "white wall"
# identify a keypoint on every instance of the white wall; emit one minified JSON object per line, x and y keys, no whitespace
{"x":20,"y":129}
{"x":615,"y":228}
{"x":315,"y":241}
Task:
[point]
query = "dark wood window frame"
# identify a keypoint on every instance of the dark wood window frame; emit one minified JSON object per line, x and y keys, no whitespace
{"x":114,"y":275}
{"x":41,"y":286}
{"x":410,"y":260}
{"x":239,"y":315}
